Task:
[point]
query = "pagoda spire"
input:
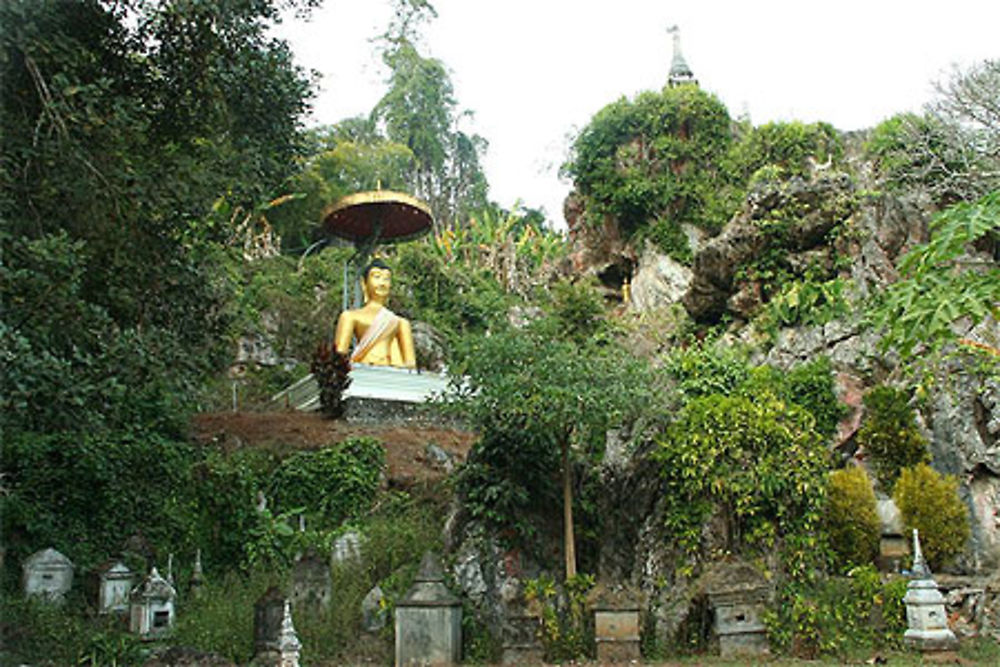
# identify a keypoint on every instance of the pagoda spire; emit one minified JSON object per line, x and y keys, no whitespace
{"x":680,"y":72}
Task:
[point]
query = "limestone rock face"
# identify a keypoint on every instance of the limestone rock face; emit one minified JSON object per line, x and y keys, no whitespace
{"x":715,"y":267}
{"x":490,"y":576}
{"x":962,"y":423}
{"x":658,"y":281}
{"x":429,"y":345}
{"x":880,"y":229}
{"x":598,"y":250}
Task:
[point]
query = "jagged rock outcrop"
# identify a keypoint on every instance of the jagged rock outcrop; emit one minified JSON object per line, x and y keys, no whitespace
{"x":817,"y":207}
{"x":600,"y":251}
{"x":430,"y":347}
{"x":658,"y":280}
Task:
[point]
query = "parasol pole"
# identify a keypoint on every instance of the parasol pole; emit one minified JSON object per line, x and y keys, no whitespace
{"x":362,"y":253}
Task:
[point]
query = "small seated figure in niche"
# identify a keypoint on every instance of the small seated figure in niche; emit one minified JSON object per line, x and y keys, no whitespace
{"x":383,"y":338}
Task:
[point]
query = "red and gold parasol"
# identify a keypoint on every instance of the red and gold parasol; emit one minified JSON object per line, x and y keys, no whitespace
{"x":378,"y":216}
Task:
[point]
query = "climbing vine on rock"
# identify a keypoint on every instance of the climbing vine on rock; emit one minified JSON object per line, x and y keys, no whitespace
{"x":756,"y":466}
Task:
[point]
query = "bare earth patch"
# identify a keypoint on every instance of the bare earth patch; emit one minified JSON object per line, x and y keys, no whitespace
{"x":288,"y":431}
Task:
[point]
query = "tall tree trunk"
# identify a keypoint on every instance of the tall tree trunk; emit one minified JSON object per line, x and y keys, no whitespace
{"x":569,"y":545}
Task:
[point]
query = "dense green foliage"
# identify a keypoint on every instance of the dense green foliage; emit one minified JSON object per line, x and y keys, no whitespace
{"x":293,"y":303}
{"x":41,"y":633}
{"x":146,"y":140}
{"x":787,"y":149}
{"x":833,"y":616}
{"x":928,"y":501}
{"x":534,"y":396}
{"x":114,"y":151}
{"x":508,"y":480}
{"x":705,"y":370}
{"x":658,"y":157}
{"x":850,"y":520}
{"x":755,"y":466}
{"x":86,"y":494}
{"x":942,"y":284}
{"x":674,"y":157}
{"x":454,"y":296}
{"x":889,"y":435}
{"x":133,"y":132}
{"x":334,"y":483}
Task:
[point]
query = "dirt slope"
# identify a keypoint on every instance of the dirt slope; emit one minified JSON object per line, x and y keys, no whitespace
{"x":284,"y":432}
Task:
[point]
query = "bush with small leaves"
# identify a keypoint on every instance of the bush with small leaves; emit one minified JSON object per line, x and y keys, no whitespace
{"x":851,"y":520}
{"x":929,"y":502}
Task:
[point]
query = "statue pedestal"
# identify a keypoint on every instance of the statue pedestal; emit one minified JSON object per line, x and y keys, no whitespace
{"x":377,"y":395}
{"x":389,"y":383}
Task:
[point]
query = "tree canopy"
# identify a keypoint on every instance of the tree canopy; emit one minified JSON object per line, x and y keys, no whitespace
{"x":419,"y":111}
{"x":130,"y":128}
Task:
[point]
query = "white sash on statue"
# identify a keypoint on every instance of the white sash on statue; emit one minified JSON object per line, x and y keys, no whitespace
{"x":383,"y":326}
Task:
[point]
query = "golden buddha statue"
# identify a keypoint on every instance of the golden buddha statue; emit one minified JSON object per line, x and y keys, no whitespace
{"x":383,"y":338}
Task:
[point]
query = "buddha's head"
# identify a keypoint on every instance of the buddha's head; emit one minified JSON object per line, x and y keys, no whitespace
{"x":376,"y":281}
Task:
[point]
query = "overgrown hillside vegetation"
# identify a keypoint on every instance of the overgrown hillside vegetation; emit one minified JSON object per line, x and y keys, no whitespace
{"x":834,"y":332}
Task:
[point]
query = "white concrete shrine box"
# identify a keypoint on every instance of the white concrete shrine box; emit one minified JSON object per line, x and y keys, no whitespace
{"x":47,"y":574}
{"x":114,"y":585}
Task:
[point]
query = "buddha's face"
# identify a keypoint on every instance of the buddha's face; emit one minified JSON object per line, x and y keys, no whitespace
{"x":378,"y":283}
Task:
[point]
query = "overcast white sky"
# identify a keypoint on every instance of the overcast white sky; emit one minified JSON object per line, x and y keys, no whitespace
{"x":535,"y":71}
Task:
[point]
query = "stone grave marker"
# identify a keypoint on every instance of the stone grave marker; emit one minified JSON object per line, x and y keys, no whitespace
{"x":429,"y":620}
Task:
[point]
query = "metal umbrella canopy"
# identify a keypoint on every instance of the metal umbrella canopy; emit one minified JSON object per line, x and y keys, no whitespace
{"x":367,"y":219}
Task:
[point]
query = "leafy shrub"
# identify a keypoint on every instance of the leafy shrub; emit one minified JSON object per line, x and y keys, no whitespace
{"x":659,"y":155}
{"x":669,"y":237}
{"x":758,"y":464}
{"x":701,"y":370}
{"x":224,"y":489}
{"x":335,"y":483}
{"x":37,"y":632}
{"x":835,"y":615}
{"x":566,"y":630}
{"x":456,"y":297}
{"x":808,"y":302}
{"x":808,"y":385}
{"x":929,"y":502}
{"x":508,"y":478}
{"x":851,"y":521}
{"x":578,"y":309}
{"x":292,"y":301}
{"x":889,"y":435}
{"x":782,"y":150}
{"x":84,"y":494}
